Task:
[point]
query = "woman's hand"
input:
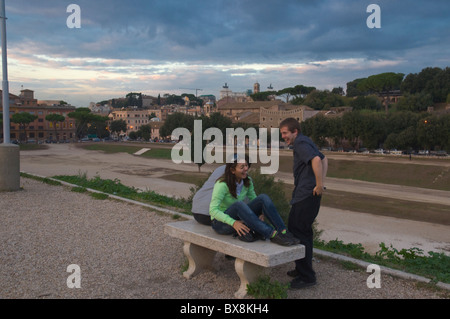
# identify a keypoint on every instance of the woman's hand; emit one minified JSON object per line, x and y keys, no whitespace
{"x":240,"y":227}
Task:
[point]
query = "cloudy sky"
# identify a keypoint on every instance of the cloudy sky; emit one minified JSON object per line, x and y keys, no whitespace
{"x":157,"y":47}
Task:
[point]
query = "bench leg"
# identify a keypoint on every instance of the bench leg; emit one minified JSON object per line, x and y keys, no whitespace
{"x":248,"y":273}
{"x":199,"y":258}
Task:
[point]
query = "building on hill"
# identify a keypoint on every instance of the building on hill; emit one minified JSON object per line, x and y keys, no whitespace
{"x":265,"y":114}
{"x":135,"y":118}
{"x":271,"y":117}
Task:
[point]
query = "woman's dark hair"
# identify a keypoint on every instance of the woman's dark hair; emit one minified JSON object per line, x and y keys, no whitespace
{"x":230,"y":179}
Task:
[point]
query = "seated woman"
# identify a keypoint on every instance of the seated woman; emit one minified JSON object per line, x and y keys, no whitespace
{"x":230,"y":215}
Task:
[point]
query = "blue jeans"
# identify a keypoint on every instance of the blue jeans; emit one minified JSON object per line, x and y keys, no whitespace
{"x":249,"y":214}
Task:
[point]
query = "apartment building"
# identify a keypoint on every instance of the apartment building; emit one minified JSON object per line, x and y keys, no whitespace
{"x":134,"y":117}
{"x":40,"y":130}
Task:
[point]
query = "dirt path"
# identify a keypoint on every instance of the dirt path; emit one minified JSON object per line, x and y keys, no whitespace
{"x":145,"y":173}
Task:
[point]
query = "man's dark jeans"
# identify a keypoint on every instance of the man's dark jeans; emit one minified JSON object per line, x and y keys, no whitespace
{"x":301,"y":218}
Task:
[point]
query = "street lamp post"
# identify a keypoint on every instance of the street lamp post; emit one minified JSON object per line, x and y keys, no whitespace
{"x":5,"y":85}
{"x":9,"y":153}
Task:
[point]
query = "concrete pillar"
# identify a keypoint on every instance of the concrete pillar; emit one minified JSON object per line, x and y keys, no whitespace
{"x":9,"y":167}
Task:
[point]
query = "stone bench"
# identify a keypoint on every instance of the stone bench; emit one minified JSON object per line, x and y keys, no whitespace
{"x":201,"y":243}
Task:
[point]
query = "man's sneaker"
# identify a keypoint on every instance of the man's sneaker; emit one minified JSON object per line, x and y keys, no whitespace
{"x":295,"y":240}
{"x":297,"y":283}
{"x":293,"y":273}
{"x":281,"y":239}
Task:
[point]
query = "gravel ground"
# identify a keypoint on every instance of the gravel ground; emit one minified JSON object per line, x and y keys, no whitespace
{"x":122,"y":252}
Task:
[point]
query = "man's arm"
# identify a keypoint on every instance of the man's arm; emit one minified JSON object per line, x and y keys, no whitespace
{"x":324,"y":169}
{"x":317,"y":167}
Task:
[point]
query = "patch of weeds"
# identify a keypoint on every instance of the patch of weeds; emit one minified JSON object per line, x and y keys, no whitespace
{"x":99,"y":196}
{"x":41,"y":179}
{"x":266,"y":289}
{"x":434,"y":265}
{"x":185,"y":265}
{"x":78,"y":189}
{"x":348,"y":265}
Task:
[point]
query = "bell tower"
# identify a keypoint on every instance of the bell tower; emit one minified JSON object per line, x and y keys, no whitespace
{"x":256,"y":88}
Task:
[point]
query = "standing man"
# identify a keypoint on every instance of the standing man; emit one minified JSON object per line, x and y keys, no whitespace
{"x":310,"y":167}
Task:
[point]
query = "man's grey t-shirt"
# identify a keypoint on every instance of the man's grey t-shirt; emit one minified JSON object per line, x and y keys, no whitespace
{"x":304,"y":179}
{"x":201,"y":200}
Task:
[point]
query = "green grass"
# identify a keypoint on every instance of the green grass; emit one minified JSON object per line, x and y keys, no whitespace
{"x":41,"y":179}
{"x":162,"y":153}
{"x":416,"y":175}
{"x":154,"y":152}
{"x":435,"y":266}
{"x":32,"y":147}
{"x":115,"y":187}
{"x":112,"y":148}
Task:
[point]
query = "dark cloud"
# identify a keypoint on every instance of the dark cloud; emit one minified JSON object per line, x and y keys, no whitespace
{"x":293,"y":38}
{"x":233,"y":30}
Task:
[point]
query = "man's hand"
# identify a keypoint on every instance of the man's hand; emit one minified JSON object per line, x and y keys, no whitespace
{"x":318,"y":190}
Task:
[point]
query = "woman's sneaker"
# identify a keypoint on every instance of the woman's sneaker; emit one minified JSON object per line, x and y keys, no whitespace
{"x":248,"y":237}
{"x":281,"y":239}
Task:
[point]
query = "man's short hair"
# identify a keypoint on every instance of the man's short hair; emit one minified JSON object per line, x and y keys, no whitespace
{"x":291,"y":124}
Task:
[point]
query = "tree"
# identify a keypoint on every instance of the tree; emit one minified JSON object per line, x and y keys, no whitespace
{"x":352,"y":127}
{"x":23,"y":119}
{"x":373,"y":130}
{"x":174,"y":99}
{"x":118,"y":126}
{"x":84,"y":118}
{"x":181,"y":120}
{"x":433,"y":132}
{"x":174,"y":121}
{"x":55,"y":118}
{"x":318,"y":128}
{"x":366,"y":103}
{"x":418,"y":102}
{"x":145,"y":132}
{"x":352,"y":88}
{"x":134,"y":99}
{"x":133,"y":135}
{"x":261,"y":96}
{"x":432,"y":81}
{"x":296,"y":91}
{"x":323,"y":100}
{"x":338,"y":91}
{"x":382,"y":84}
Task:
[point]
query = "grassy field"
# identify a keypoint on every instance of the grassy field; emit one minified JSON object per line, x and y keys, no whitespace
{"x":389,"y":172}
{"x":154,"y":152}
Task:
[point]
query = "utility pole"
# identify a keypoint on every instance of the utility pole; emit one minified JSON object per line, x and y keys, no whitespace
{"x":9,"y":153}
{"x":5,"y":85}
